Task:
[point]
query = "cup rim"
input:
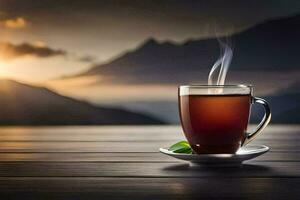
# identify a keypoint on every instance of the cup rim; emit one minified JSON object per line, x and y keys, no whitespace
{"x":216,"y":86}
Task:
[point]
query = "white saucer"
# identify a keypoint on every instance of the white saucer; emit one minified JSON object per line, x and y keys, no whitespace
{"x":243,"y":154}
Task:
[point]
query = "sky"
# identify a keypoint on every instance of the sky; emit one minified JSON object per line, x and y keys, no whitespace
{"x":44,"y":40}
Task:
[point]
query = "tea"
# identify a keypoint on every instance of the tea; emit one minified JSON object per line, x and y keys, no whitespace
{"x":215,"y":123}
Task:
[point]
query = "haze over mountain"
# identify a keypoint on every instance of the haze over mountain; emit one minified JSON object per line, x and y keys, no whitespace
{"x":285,"y":106}
{"x":23,"y":104}
{"x":270,"y":48}
{"x":265,"y":55}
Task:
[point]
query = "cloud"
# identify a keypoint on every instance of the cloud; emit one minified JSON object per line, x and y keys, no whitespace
{"x":15,"y":23}
{"x":9,"y":51}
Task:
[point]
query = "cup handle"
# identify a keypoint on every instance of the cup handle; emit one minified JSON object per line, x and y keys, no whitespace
{"x":264,"y":122}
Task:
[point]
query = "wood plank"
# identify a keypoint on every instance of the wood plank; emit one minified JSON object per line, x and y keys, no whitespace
{"x":140,"y":146}
{"x":149,"y":188}
{"x":125,"y":157}
{"x":124,"y":138}
{"x":96,"y":172}
{"x":126,"y":169}
{"x":122,"y":133}
{"x":80,"y":146}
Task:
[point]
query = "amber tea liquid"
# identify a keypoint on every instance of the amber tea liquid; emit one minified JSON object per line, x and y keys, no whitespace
{"x":215,"y":123}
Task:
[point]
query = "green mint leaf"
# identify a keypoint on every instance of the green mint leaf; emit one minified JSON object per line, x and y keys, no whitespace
{"x":181,"y":147}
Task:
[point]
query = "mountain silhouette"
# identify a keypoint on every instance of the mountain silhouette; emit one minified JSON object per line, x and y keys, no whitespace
{"x":267,"y":48}
{"x":22,"y":104}
{"x":272,"y":45}
{"x":285,"y":106}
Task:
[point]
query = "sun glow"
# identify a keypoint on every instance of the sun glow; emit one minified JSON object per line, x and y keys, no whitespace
{"x":2,"y":69}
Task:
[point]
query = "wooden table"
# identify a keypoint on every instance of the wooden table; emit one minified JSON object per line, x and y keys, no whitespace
{"x":95,"y":162}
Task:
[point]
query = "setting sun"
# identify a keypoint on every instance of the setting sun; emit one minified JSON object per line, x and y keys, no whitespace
{"x":6,"y":70}
{"x":2,"y":69}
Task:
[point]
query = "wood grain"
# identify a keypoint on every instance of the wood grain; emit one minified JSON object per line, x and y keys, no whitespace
{"x":123,"y":162}
{"x":128,"y":169}
{"x":120,"y":146}
{"x":149,"y":188}
{"x":123,"y":133}
{"x":125,"y":157}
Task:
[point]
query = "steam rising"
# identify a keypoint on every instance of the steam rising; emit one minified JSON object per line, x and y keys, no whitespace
{"x":223,"y":63}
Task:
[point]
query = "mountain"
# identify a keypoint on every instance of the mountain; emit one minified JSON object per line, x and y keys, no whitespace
{"x":285,"y":109}
{"x":265,"y":55}
{"x":285,"y":106}
{"x":23,"y":104}
{"x":272,"y":45}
